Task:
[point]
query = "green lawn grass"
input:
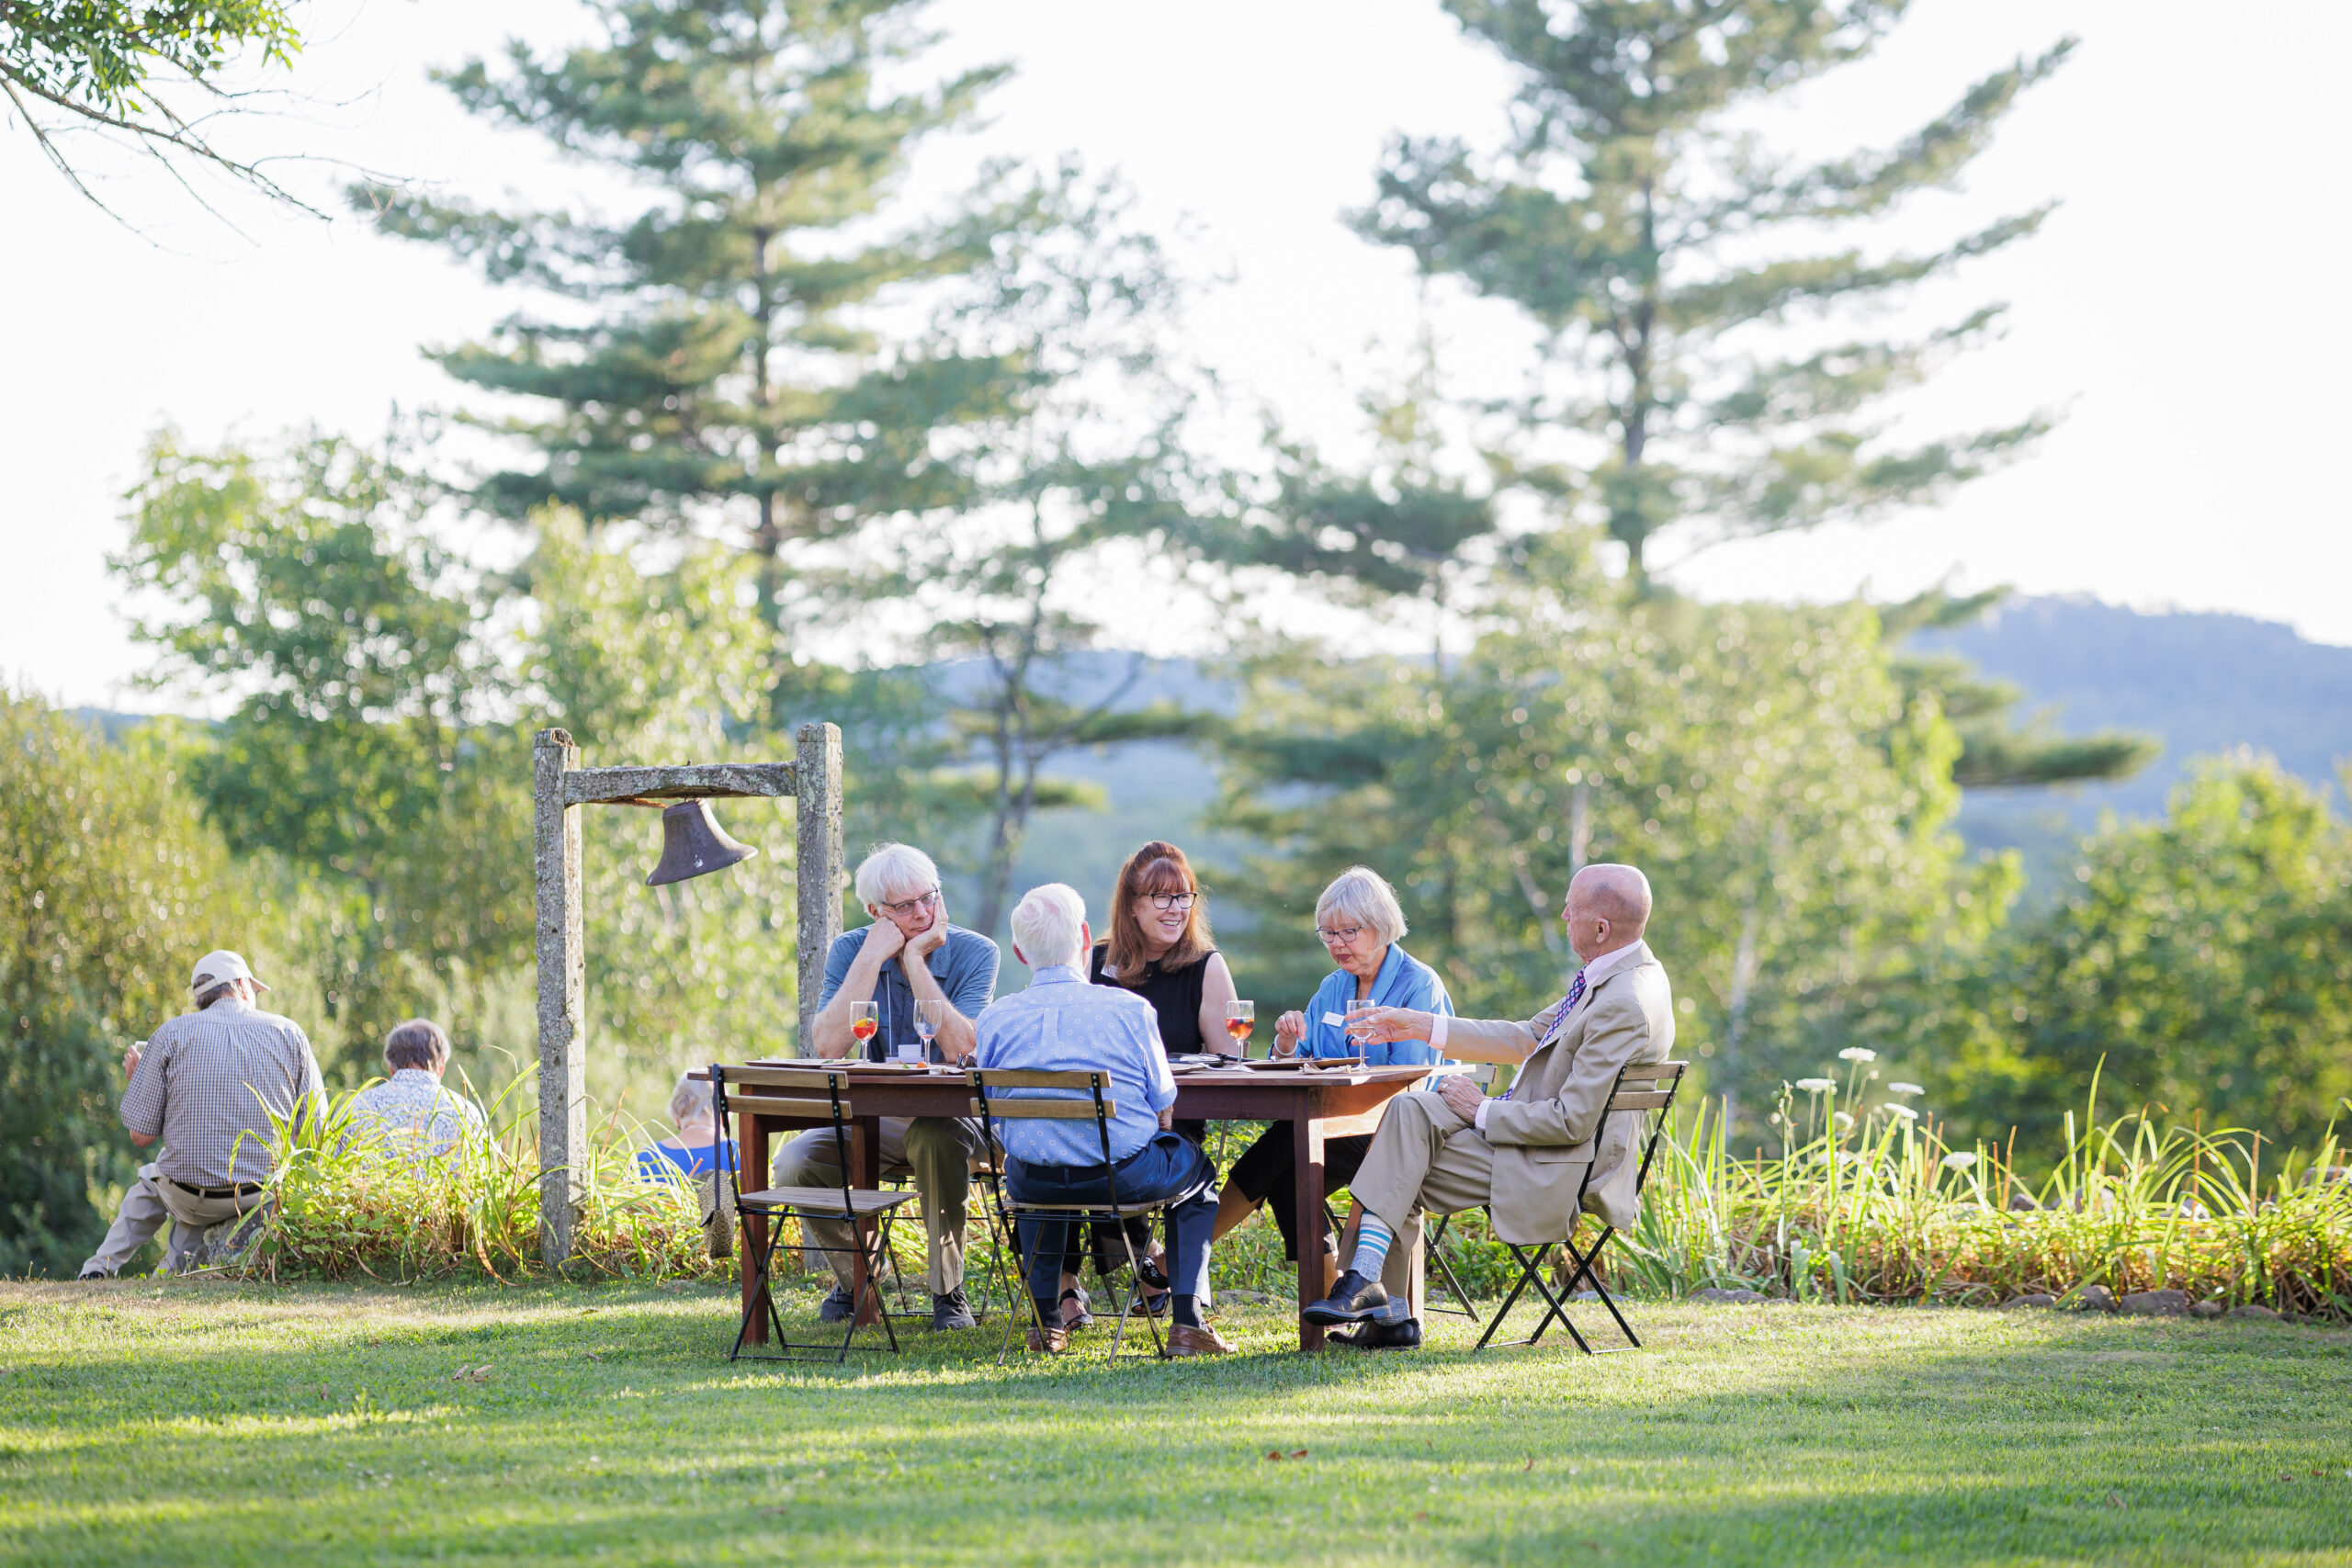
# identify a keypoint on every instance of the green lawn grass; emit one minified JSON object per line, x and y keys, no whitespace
{"x":155,"y":1422}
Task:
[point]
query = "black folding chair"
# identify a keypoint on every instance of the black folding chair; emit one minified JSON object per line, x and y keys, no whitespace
{"x":1654,"y":1102}
{"x":811,"y":1094}
{"x":994,"y":1104}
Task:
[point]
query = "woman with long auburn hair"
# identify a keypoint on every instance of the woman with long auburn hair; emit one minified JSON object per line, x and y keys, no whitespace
{"x":1159,"y":947}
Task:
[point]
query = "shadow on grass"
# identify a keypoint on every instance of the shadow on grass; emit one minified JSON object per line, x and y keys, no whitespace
{"x":334,"y":1427}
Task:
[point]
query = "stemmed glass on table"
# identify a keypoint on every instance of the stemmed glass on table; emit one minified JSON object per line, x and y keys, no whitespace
{"x":865,"y":1018}
{"x":1358,"y":1021}
{"x":929,"y":1016}
{"x":1240,"y":1022}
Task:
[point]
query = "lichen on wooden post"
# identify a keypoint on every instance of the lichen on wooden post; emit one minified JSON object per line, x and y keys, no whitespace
{"x":563,"y":987}
{"x":817,"y":791}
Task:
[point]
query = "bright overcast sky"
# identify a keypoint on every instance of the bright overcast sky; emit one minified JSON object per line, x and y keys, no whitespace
{"x":2186,"y":306}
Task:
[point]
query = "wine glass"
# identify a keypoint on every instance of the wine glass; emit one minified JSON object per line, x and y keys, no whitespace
{"x":929,"y":1016}
{"x":865,"y":1018}
{"x":1240,"y":1019}
{"x":1358,"y":1021}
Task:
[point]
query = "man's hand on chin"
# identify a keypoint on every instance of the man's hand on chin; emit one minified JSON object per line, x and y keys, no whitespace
{"x":883,"y":938}
{"x":928,"y":939}
{"x":1461,"y":1096}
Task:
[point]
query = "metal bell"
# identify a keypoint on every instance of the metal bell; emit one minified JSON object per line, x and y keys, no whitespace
{"x":693,"y":844}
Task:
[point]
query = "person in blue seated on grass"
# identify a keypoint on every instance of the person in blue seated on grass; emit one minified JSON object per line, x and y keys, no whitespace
{"x":1361,"y":925}
{"x":910,"y":955}
{"x":1524,"y":1155}
{"x":696,"y":1149}
{"x":1063,"y":1025}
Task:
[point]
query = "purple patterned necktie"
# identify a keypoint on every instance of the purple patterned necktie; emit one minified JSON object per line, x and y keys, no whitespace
{"x":1567,"y":1006}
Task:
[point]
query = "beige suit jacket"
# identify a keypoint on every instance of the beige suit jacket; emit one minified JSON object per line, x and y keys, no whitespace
{"x":1552,"y":1128}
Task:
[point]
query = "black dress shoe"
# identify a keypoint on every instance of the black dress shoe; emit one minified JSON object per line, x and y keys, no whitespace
{"x":1352,"y":1300}
{"x":952,"y":1311}
{"x":1402,"y":1335}
{"x":839,"y":1306}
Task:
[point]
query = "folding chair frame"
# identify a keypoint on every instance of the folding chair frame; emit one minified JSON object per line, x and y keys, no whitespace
{"x":1000,"y":1246}
{"x":1109,"y":1212}
{"x":1621,"y":1100}
{"x":763,"y":1292}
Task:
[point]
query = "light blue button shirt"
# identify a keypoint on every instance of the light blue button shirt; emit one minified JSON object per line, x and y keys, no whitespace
{"x":1404,"y":981}
{"x":1062,"y":1024}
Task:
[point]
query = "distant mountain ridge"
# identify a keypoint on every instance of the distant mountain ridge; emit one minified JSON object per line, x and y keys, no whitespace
{"x":2200,"y":682}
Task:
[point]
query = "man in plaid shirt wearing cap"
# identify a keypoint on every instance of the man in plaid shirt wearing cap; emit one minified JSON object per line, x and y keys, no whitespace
{"x":207,"y":1084}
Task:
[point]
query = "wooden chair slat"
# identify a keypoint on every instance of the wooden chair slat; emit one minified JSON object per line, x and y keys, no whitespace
{"x":861,"y":1201}
{"x":1640,"y":1099}
{"x":780,"y":1105}
{"x":1014,"y":1077}
{"x":816,"y":1080}
{"x":1044,"y":1110}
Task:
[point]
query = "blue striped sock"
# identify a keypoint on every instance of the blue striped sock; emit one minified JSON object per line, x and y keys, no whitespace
{"x":1373,"y":1240}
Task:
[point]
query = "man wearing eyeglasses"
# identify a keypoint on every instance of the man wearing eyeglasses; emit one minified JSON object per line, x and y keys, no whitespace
{"x":909,"y":954}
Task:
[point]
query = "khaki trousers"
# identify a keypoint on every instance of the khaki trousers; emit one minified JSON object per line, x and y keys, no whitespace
{"x":936,"y":1150}
{"x":1424,"y":1159}
{"x":152,"y":1200}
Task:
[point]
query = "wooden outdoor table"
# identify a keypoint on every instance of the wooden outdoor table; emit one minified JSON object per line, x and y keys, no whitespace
{"x":1317,"y":1103}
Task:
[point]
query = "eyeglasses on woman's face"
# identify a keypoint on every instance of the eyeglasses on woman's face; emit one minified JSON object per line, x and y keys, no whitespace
{"x":1339,"y":936}
{"x":1177,"y":901}
{"x":915,"y":904}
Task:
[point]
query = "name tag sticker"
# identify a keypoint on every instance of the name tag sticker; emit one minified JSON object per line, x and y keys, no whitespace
{"x":1334,"y":1020}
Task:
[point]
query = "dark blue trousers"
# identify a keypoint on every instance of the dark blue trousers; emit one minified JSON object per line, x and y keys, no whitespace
{"x":1161,"y":1168}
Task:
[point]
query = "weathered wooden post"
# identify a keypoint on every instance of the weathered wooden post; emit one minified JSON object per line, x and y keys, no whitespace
{"x":560,"y":787}
{"x":817,"y":779}
{"x":563,"y":992}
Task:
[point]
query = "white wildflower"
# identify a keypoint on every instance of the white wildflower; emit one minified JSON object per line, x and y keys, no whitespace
{"x":1960,"y":1161}
{"x":1901,"y":1087}
{"x":1818,"y":1086}
{"x":1902,"y":1111}
{"x":1856,"y":1054}
{"x":1842,"y":1122}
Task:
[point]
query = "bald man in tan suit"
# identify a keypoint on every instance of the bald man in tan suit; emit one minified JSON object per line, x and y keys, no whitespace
{"x":1525,"y":1155}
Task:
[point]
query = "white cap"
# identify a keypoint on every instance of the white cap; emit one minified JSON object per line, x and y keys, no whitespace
{"x":217,"y":968}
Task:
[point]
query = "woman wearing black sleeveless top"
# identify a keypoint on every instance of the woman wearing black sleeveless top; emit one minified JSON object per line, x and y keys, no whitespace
{"x":1159,"y":948}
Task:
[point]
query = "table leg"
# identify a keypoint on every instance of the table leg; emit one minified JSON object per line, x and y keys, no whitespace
{"x":1306,"y":1151}
{"x":752,"y":1232}
{"x":865,"y":1159}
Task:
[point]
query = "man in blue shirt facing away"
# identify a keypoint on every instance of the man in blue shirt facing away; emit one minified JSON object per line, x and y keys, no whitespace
{"x":1062,"y":1024}
{"x":909,"y":954}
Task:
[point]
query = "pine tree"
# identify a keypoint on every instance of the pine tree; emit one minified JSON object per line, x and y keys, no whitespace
{"x":730,"y":364}
{"x":1628,"y":218}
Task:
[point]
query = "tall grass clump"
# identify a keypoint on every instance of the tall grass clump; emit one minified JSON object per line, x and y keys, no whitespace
{"x":344,"y":1200}
{"x":1867,"y":1203}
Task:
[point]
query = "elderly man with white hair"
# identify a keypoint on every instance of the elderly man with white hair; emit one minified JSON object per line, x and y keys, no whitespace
{"x":1063,"y":1025}
{"x":1523,"y":1156}
{"x":911,"y":955}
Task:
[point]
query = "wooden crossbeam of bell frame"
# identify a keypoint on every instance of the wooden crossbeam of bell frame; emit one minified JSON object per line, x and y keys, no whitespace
{"x":560,"y":787}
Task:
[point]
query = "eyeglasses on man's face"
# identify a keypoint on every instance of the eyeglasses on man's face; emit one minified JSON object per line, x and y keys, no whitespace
{"x":1339,"y":936}
{"x":920,"y":902}
{"x":1178,"y":902}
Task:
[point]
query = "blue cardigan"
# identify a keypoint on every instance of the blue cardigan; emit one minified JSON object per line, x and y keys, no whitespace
{"x":1404,"y":981}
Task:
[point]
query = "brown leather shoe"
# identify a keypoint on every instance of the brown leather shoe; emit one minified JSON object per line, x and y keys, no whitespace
{"x":1185,"y":1341}
{"x":1048,"y":1341}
